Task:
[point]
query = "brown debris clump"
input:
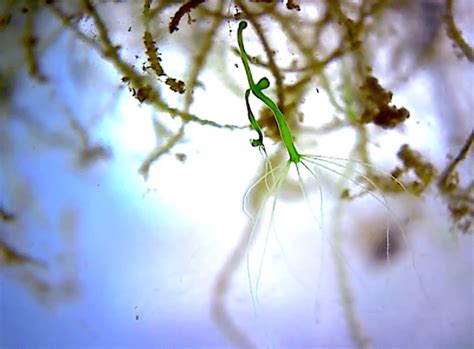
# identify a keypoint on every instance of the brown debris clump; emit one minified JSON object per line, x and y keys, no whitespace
{"x":377,"y":108}
{"x":423,"y":169}
{"x":175,"y":85}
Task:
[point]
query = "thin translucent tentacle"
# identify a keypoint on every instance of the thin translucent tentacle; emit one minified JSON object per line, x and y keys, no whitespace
{"x":391,"y":219}
{"x":324,"y":237}
{"x":321,"y":221}
{"x":381,"y":201}
{"x":358,"y":162}
{"x":274,"y":193}
{"x":255,"y":224}
{"x":251,"y":187}
{"x":269,"y":169}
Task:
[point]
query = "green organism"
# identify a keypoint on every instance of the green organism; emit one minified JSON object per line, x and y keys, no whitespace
{"x":275,"y":176}
{"x":295,"y":157}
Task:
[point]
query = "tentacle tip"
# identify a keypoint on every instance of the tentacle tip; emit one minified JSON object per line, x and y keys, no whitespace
{"x":242,"y":25}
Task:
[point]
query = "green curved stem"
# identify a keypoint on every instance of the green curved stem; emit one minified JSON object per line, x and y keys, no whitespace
{"x":253,"y":122}
{"x":256,"y":89}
